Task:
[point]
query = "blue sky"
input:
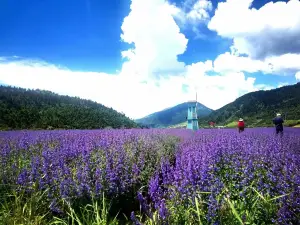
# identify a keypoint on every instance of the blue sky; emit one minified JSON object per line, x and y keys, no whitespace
{"x":140,"y":56}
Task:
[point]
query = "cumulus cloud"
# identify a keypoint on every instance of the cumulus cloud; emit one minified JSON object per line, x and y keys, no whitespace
{"x":264,"y":87}
{"x":216,"y":91}
{"x":199,"y":11}
{"x":272,"y":30}
{"x":229,"y":62}
{"x":194,"y":12}
{"x":297,"y":75}
{"x":282,"y":84}
{"x":285,"y":64}
{"x":151,"y":79}
{"x":157,"y":40}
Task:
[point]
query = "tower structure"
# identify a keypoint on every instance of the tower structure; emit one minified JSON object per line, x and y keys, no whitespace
{"x":192,"y":118}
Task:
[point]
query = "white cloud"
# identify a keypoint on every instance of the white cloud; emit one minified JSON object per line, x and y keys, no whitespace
{"x":297,"y":75}
{"x":268,"y":36}
{"x":152,"y":78}
{"x":282,"y":84}
{"x":285,"y":64}
{"x":217,"y":90}
{"x":229,"y":62}
{"x":272,"y":30}
{"x":199,"y":11}
{"x":199,"y":68}
{"x":157,"y":39}
{"x":264,"y":87}
{"x":192,"y":14}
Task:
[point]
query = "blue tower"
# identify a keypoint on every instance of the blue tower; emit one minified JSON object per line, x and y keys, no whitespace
{"x":192,"y":118}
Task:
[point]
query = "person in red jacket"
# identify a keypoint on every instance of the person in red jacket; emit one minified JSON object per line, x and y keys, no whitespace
{"x":241,"y":125}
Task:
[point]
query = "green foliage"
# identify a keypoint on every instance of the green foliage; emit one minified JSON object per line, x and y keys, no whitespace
{"x":19,"y":207}
{"x":90,"y":214}
{"x":259,"y":108}
{"x":172,"y":116}
{"x":27,"y":209}
{"x":250,"y":208}
{"x":232,"y":124}
{"x":292,"y":123}
{"x":36,"y":109}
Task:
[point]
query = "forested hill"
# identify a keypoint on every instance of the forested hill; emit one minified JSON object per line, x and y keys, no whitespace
{"x":172,"y":116}
{"x":37,"y":109}
{"x":258,"y":108}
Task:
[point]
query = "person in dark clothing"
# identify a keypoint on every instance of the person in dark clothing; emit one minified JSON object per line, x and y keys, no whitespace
{"x":278,"y":122}
{"x":241,"y":125}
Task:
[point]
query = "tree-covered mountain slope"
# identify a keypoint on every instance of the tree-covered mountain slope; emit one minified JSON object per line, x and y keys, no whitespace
{"x":258,"y":108}
{"x":172,"y":116}
{"x":37,"y":109}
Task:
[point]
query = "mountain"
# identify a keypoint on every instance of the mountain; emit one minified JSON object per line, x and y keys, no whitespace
{"x":37,"y":109}
{"x":172,"y":116}
{"x":258,"y":108}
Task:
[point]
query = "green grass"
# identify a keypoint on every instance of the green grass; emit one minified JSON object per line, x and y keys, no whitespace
{"x":292,"y":123}
{"x":259,"y":209}
{"x":263,"y":123}
{"x":23,"y":208}
{"x":183,"y":124}
{"x":32,"y":209}
{"x":232,"y":124}
{"x":250,"y":123}
{"x":96,"y":213}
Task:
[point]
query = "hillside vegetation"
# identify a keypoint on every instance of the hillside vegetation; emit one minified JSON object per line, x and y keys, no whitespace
{"x":258,"y":108}
{"x":37,"y":109}
{"x":172,"y":116}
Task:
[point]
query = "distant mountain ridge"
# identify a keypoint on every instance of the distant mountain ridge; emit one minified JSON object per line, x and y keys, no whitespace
{"x":36,"y":109}
{"x":258,"y":108}
{"x":172,"y":115}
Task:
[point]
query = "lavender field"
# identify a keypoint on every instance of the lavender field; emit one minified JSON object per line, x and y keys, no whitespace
{"x":150,"y":177}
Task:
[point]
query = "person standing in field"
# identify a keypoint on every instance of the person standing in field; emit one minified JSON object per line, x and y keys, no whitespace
{"x":278,"y":122}
{"x":241,"y":125}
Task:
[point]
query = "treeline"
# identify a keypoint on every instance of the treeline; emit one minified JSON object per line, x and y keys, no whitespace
{"x":258,"y":108}
{"x":37,"y":109}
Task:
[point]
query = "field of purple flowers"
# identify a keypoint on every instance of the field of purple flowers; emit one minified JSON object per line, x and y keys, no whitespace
{"x":166,"y":176}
